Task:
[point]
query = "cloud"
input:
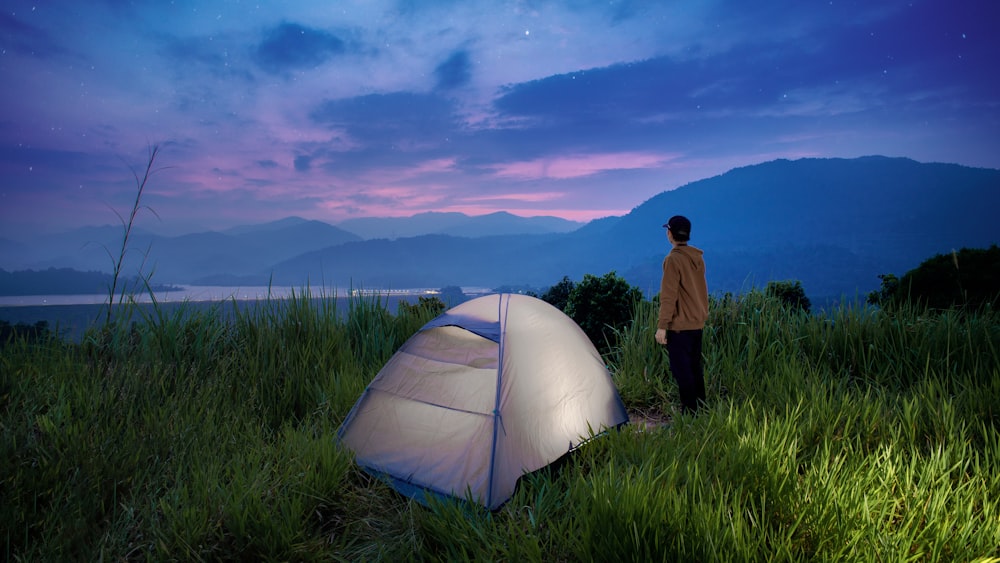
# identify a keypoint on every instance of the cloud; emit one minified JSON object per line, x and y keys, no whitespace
{"x":216,"y":55}
{"x":454,"y":72}
{"x":303,"y":163}
{"x":533,"y":197}
{"x":475,"y":101}
{"x":621,"y":91}
{"x":16,"y":36}
{"x":291,"y":46}
{"x":201,"y":51}
{"x":404,"y":174}
{"x":398,"y":119}
{"x":577,"y":166}
{"x":743,"y":73}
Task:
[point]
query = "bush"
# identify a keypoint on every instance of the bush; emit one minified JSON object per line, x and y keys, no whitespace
{"x":969,"y":278}
{"x":789,"y":293}
{"x":429,"y":306}
{"x":887,"y":290}
{"x":602,"y":306}
{"x":558,"y":295}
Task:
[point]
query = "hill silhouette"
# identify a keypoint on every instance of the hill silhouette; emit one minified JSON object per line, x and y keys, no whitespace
{"x":833,"y":224}
{"x":456,"y":224}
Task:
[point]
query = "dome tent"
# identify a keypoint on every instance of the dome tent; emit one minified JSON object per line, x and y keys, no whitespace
{"x":493,"y":388}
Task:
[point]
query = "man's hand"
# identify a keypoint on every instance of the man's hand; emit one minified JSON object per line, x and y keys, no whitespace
{"x":661,"y":337}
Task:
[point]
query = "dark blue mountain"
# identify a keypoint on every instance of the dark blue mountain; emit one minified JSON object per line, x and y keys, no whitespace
{"x":205,"y":258}
{"x":833,"y":224}
{"x":280,"y":224}
{"x":428,"y":261}
{"x":456,"y":224}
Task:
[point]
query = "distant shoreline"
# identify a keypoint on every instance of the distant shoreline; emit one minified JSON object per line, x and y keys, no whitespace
{"x":69,"y":316}
{"x":204,"y":293}
{"x":71,"y":321}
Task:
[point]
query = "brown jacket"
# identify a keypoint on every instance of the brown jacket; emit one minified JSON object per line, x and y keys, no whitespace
{"x":683,"y":290}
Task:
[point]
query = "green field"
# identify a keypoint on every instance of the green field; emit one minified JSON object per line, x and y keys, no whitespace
{"x":856,"y":435}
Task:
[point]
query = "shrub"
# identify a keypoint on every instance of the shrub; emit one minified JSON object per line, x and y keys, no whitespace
{"x":790,"y":293}
{"x":968,"y":278}
{"x":602,"y":306}
{"x":886,"y":292}
{"x":558,"y":295}
{"x":429,"y":306}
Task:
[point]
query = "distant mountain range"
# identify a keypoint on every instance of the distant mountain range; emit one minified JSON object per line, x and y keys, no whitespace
{"x":247,"y":254}
{"x":833,"y":224}
{"x":456,"y":224}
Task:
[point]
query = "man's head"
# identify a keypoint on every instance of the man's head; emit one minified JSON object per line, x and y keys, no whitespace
{"x":679,"y":227}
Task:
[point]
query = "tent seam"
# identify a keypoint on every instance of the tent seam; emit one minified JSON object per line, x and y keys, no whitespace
{"x":497,"y":419}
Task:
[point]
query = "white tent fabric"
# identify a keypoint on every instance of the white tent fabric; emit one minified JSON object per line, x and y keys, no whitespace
{"x":494,"y":388}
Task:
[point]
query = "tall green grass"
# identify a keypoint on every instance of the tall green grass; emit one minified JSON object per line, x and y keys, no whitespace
{"x":194,"y":435}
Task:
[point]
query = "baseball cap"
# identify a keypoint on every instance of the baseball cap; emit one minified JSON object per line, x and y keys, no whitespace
{"x":680,"y":226}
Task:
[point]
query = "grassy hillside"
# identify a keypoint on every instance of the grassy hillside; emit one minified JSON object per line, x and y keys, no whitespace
{"x":857,"y":436}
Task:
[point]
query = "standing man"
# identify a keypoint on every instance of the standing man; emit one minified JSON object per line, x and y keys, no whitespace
{"x":683,"y":311}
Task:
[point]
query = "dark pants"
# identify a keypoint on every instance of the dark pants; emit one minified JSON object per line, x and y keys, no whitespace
{"x":684,"y":351}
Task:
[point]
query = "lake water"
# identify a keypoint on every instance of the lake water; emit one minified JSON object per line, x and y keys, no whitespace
{"x":71,"y":315}
{"x":208,"y":293}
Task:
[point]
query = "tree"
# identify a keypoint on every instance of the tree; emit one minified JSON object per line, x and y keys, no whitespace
{"x":602,"y":306}
{"x":889,"y":286}
{"x":558,"y":294}
{"x":790,"y":293}
{"x":968,"y":278}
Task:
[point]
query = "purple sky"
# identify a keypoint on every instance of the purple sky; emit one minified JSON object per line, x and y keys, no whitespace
{"x":580,"y":109}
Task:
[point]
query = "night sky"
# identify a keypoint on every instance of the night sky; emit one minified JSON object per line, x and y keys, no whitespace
{"x":579,"y":109}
